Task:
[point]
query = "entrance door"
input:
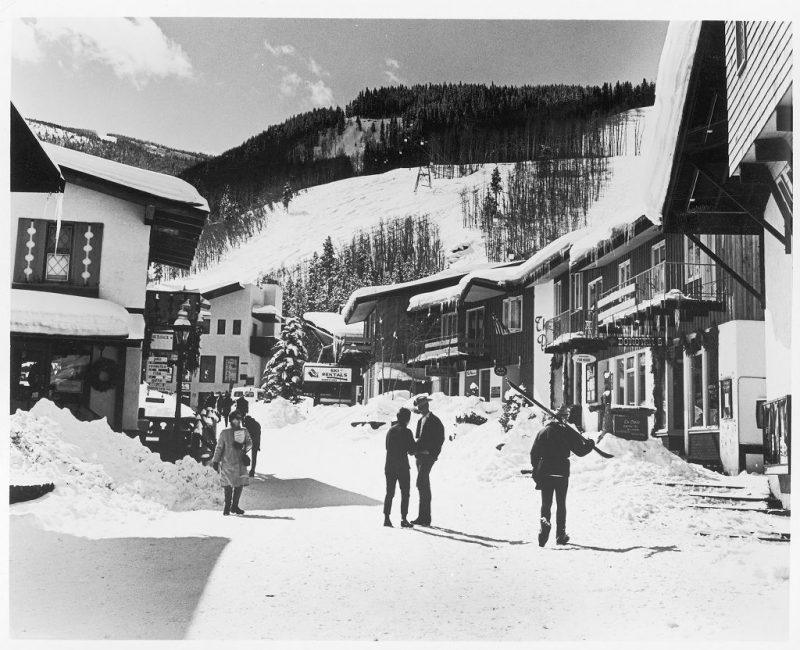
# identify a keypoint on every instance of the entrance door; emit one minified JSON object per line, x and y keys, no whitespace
{"x":486,"y":379}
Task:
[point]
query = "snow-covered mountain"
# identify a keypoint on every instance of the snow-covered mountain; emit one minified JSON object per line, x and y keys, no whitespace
{"x":343,"y":208}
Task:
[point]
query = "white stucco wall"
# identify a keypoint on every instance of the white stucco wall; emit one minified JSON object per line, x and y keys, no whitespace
{"x":126,"y":238}
{"x":236,"y":306}
{"x":778,"y":314}
{"x":741,"y":359}
{"x":543,"y":309}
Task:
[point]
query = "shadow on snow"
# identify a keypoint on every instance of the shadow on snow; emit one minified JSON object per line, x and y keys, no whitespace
{"x":270,"y":493}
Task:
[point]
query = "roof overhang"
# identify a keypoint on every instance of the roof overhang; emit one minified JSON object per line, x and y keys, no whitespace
{"x":43,"y":313}
{"x":222,"y":290}
{"x":701,"y":197}
{"x":622,"y":241}
{"x":32,"y":169}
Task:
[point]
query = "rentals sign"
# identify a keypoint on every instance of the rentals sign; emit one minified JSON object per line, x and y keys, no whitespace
{"x":327,"y":373}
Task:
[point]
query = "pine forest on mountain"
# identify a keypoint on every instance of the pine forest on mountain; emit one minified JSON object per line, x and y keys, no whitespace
{"x":396,"y":251}
{"x":557,"y":136}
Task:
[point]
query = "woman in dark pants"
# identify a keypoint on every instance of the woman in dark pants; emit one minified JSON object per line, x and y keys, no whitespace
{"x":399,"y":446}
{"x":550,"y":463}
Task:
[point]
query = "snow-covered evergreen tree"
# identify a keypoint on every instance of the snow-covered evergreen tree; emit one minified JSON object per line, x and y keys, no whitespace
{"x":283,"y":375}
{"x":288,"y":194}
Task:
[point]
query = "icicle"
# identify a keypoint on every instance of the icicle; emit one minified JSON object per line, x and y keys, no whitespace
{"x":677,"y":318}
{"x":59,"y":206}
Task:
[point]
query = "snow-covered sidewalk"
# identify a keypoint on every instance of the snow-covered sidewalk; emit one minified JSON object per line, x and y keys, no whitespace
{"x":310,"y":559}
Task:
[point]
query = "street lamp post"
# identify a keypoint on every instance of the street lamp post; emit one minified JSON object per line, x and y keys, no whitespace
{"x":181,"y":327}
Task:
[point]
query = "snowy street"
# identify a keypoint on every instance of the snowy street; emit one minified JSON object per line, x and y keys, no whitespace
{"x":311,"y":560}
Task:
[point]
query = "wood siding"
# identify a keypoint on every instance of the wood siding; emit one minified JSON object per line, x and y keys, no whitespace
{"x":754,"y":92}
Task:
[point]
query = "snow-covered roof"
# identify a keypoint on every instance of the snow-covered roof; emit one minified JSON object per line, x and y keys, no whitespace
{"x":371,"y":294}
{"x":440,"y":297}
{"x":518,"y":275}
{"x":58,"y":314}
{"x":269,"y":310}
{"x":435,"y":355}
{"x":143,"y":180}
{"x":333,"y":324}
{"x":661,"y":137}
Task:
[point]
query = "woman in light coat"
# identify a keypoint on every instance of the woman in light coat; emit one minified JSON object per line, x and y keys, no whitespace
{"x":229,"y":460}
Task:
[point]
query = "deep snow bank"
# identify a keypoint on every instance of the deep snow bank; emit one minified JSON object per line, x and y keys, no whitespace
{"x":98,"y":472}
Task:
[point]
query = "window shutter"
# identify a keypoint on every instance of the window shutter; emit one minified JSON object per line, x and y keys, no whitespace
{"x":31,"y":238}
{"x":87,"y":244}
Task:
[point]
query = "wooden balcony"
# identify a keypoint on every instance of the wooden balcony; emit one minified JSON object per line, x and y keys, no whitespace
{"x":262,"y":345}
{"x":694,"y":289}
{"x":446,"y":349}
{"x":573,"y":330}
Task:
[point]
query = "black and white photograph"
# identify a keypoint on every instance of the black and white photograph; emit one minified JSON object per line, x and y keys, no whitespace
{"x":407,"y":324}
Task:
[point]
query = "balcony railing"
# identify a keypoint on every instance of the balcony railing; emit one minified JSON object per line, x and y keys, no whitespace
{"x":443,"y":349}
{"x":694,"y":289}
{"x":666,"y":286}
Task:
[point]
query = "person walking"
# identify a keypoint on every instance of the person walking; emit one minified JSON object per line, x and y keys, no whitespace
{"x":399,"y":446}
{"x":430,"y":438}
{"x":254,"y":428}
{"x":242,"y":405}
{"x":225,"y":403}
{"x":231,"y":463}
{"x":550,"y":468}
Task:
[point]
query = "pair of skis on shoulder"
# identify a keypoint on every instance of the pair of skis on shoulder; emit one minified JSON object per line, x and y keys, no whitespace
{"x":533,"y":401}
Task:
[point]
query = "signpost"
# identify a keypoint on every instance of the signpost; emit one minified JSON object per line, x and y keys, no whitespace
{"x":159,"y":374}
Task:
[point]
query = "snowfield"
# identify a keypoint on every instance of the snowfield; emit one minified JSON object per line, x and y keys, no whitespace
{"x":310,"y":560}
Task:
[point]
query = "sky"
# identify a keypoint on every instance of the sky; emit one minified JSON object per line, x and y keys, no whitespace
{"x":207,"y":84}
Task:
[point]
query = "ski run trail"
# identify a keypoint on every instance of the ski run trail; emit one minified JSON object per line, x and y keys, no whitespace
{"x":127,"y":547}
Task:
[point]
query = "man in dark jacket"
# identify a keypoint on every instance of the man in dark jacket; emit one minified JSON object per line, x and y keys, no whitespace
{"x":242,"y":405}
{"x":399,"y":446}
{"x":430,"y":438}
{"x":254,"y":429}
{"x":550,"y":463}
{"x":225,"y":402}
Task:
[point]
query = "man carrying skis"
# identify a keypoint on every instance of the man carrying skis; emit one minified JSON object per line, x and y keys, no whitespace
{"x":550,"y":462}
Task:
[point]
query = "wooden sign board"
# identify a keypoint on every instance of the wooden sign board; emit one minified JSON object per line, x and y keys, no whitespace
{"x":630,"y":426}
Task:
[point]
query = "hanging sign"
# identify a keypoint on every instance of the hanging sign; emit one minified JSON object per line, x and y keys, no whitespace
{"x":500,"y":371}
{"x":584,"y":358}
{"x":326,"y":373}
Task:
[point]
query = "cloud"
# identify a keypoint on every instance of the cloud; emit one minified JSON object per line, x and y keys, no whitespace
{"x":23,"y":42}
{"x":280,"y":50}
{"x":392,"y":70}
{"x":290,"y":83}
{"x":317,"y":69}
{"x":319,"y":94}
{"x":134,"y":48}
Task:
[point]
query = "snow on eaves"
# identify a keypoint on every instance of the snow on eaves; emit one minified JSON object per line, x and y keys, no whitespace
{"x":439,"y":298}
{"x":333,"y":324}
{"x":159,"y":185}
{"x":374,"y":292}
{"x":57,"y":314}
{"x":661,"y":137}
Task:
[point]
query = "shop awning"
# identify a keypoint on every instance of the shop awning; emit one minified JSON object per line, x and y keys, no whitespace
{"x":57,"y":314}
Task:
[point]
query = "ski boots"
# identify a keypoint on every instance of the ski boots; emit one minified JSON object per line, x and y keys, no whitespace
{"x":562,"y":538}
{"x":544,"y":531}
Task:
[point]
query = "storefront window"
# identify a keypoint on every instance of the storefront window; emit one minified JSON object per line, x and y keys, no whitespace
{"x":620,"y":381}
{"x":640,"y":378}
{"x":697,"y":389}
{"x":591,"y":382}
{"x":67,"y":372}
{"x":712,"y":388}
{"x":629,"y":381}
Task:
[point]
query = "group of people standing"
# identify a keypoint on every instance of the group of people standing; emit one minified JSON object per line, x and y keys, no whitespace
{"x":425,"y":446}
{"x":549,"y":461}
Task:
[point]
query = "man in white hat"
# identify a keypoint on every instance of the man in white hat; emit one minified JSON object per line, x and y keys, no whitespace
{"x":430,"y":438}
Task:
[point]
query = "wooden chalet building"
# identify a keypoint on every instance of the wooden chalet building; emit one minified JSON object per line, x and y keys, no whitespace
{"x":83,"y":231}
{"x":418,"y":349}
